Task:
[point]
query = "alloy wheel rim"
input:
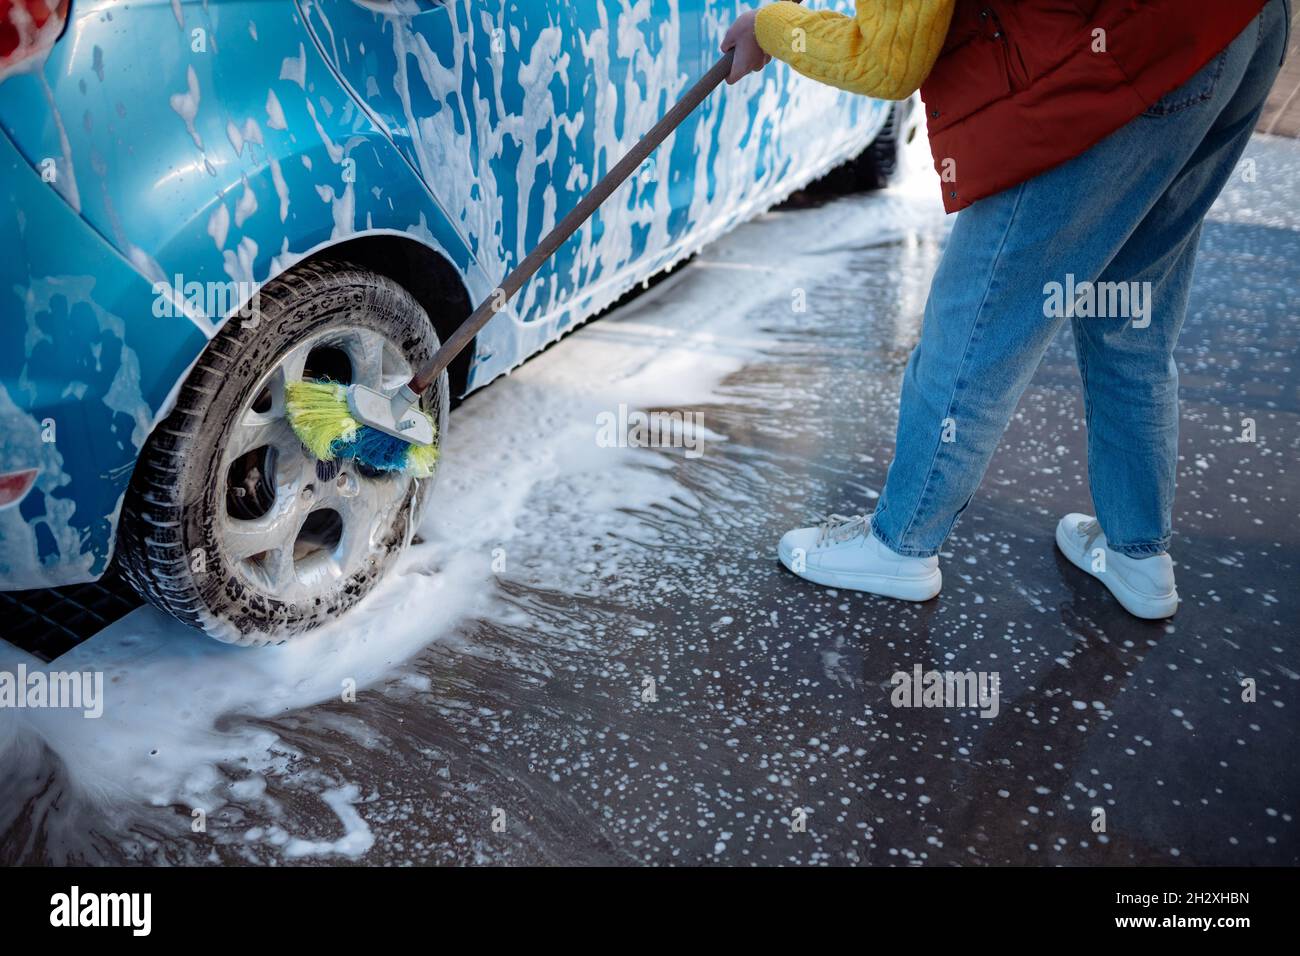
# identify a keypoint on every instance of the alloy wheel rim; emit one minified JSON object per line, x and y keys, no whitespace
{"x":290,"y":526}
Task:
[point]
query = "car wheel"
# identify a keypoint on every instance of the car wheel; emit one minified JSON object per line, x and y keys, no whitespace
{"x":229,"y":524}
{"x":876,"y":165}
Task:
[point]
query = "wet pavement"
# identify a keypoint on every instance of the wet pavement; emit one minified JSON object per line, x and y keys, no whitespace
{"x":594,"y":656}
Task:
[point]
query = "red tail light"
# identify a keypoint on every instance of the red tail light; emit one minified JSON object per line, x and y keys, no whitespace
{"x":14,"y":486}
{"x":28,"y":28}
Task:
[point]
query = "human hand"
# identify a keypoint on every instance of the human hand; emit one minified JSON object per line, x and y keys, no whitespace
{"x":749,"y":56}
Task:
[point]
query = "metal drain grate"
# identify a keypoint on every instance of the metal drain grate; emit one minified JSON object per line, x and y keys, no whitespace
{"x":50,"y":622}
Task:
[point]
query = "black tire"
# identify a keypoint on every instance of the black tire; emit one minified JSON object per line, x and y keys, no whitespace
{"x":876,"y":165}
{"x":170,"y":546}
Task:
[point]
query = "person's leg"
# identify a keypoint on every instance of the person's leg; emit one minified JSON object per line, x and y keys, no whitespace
{"x":982,"y":337}
{"x":990,"y":314}
{"x":1130,"y":385}
{"x":1129,"y":375}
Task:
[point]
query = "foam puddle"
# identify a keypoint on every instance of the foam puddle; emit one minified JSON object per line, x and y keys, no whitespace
{"x":187,"y":720}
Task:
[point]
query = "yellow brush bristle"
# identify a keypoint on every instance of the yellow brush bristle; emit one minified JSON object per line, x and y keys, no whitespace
{"x":318,"y":413}
{"x":421,"y":460}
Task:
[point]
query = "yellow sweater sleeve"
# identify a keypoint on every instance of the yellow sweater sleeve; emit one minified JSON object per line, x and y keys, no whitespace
{"x":886,"y":50}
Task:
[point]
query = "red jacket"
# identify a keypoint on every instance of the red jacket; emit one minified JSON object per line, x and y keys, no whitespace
{"x":1024,"y":85}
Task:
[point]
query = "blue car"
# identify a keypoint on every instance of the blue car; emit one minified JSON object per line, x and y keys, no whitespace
{"x":202,"y":201}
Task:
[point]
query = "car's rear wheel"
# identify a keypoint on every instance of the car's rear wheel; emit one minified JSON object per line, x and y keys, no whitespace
{"x":229,"y":523}
{"x":876,"y":166}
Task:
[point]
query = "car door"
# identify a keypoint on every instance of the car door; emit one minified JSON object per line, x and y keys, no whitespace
{"x":511,"y":109}
{"x":772,"y":130}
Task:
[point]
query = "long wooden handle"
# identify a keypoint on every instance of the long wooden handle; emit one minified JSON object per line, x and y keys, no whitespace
{"x":624,"y":168}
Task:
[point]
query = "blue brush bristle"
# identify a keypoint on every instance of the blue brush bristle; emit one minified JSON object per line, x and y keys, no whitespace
{"x":374,"y":448}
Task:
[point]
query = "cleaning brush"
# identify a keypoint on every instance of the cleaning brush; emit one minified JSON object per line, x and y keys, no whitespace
{"x":391,"y":432}
{"x":320,"y":416}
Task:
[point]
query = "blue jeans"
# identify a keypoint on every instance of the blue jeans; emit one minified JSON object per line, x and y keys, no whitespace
{"x":1119,"y":225}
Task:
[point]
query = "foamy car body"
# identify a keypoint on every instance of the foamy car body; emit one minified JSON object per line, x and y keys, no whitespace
{"x":161,"y":162}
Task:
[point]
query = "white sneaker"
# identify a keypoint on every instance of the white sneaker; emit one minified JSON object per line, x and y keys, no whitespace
{"x":1145,"y":586}
{"x":843,"y":553}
